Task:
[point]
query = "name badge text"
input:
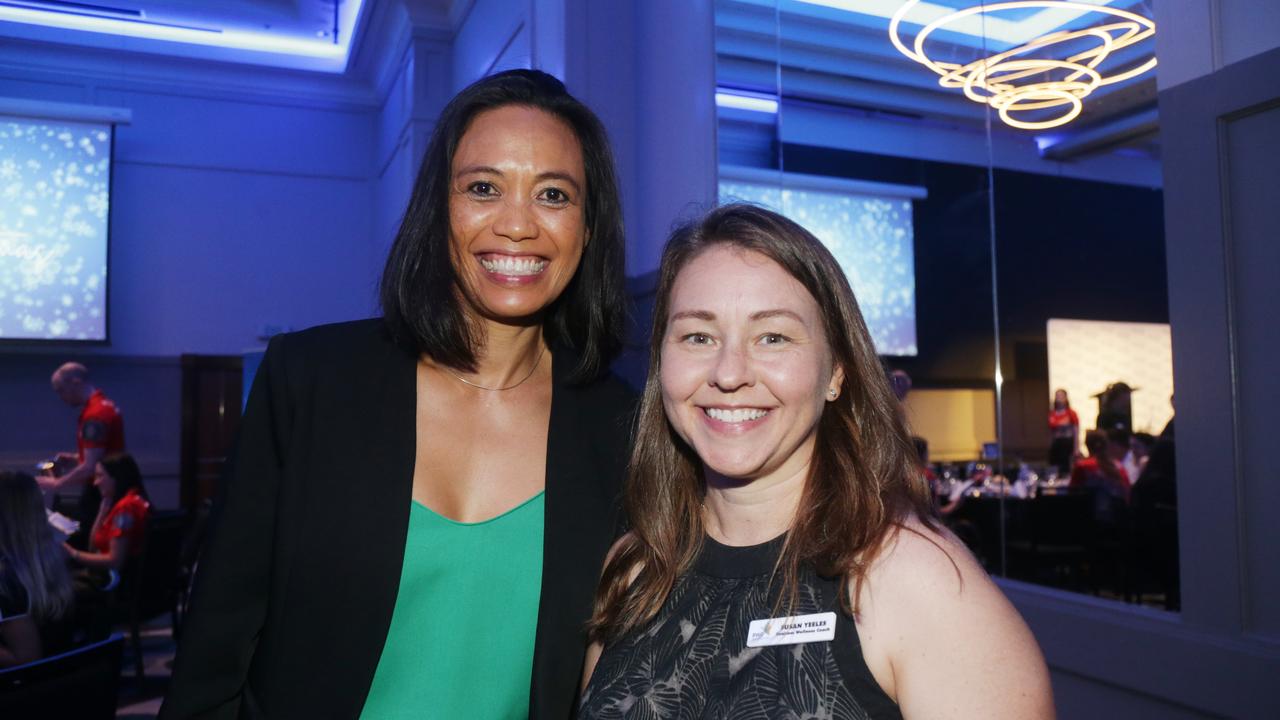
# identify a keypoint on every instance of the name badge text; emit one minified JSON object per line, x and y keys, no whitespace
{"x":819,"y":627}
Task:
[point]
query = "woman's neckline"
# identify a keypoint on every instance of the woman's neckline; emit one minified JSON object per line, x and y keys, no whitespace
{"x":731,"y":561}
{"x":486,"y":521}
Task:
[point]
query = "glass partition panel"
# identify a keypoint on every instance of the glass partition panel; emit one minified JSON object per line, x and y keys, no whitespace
{"x":891,"y":171}
{"x":1086,"y":383}
{"x":988,"y":175}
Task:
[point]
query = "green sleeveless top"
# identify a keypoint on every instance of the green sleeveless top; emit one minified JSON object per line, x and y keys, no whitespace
{"x":461,"y":638}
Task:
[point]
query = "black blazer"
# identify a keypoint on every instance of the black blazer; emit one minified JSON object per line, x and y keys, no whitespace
{"x":298,"y":581}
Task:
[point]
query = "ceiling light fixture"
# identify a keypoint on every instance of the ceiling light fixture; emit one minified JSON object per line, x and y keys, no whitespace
{"x":1059,"y":83}
{"x":740,"y":100}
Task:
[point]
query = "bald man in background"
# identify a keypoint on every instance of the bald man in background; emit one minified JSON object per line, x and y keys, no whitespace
{"x":99,"y":433}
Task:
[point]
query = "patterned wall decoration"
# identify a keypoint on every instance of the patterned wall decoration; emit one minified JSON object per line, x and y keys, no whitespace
{"x":1087,"y":355}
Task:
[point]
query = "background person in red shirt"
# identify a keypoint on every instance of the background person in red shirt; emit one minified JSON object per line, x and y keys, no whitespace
{"x":99,"y":432}
{"x":1064,"y":429}
{"x":1102,"y":475}
{"x":118,"y":534}
{"x":121,"y":522}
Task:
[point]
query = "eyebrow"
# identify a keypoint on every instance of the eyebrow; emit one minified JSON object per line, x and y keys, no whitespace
{"x":766,"y":314}
{"x":709,"y":316}
{"x":549,"y":175}
{"x":693,"y":315}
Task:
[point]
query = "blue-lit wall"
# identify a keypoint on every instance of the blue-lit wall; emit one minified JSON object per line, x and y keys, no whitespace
{"x":238,"y":204}
{"x":248,"y":199}
{"x":230,"y":213}
{"x":494,"y":36}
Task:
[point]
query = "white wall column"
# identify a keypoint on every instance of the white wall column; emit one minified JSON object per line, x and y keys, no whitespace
{"x":647,"y":67}
{"x":413,"y":79}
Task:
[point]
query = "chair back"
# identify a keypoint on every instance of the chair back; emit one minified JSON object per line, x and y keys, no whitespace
{"x":81,"y":683}
{"x":1062,"y":520}
{"x":154,"y":587}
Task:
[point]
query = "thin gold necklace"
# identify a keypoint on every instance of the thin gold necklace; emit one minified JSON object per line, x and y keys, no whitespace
{"x":500,"y":389}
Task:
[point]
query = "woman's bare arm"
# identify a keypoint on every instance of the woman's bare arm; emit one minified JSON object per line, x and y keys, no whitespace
{"x":111,"y":560}
{"x":943,"y":640}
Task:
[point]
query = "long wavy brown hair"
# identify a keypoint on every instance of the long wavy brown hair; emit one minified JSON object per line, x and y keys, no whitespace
{"x":28,"y":552}
{"x":864,"y":481}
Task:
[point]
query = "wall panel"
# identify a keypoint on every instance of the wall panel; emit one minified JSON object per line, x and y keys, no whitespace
{"x":1251,"y":179}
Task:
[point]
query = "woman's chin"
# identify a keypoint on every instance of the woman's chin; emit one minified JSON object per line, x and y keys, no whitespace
{"x":513,"y":305}
{"x":517,"y":314}
{"x":731,"y":473}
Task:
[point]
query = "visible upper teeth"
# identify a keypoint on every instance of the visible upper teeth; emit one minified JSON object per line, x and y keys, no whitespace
{"x":514,"y":265}
{"x":736,"y":415}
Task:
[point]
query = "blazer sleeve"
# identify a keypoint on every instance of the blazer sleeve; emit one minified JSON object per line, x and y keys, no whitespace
{"x":233,"y":578}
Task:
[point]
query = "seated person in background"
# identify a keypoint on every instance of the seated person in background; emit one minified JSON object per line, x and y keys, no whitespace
{"x":122,"y":515}
{"x":1158,"y":484}
{"x":1102,"y":473}
{"x":1154,"y":501}
{"x":947,"y":497}
{"x":99,"y":432}
{"x":117,"y":535}
{"x":1140,"y":446}
{"x":35,"y":588}
{"x":1119,"y":449}
{"x":922,"y":452}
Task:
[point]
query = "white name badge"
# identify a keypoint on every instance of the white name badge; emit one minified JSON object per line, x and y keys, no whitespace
{"x":819,"y":627}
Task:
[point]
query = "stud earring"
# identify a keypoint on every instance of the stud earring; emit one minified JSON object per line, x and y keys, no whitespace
{"x":832,"y":392}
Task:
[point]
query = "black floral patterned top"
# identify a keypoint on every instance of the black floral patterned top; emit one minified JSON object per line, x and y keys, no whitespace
{"x":692,"y":660}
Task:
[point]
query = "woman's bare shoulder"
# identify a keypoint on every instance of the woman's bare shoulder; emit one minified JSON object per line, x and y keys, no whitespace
{"x":938,"y":621}
{"x":923,"y":561}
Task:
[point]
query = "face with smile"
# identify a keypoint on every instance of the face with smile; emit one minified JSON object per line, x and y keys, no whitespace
{"x":746,"y":368}
{"x":517,"y":227}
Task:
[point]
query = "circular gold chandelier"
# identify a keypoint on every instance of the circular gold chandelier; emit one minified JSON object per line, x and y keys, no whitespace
{"x":998,"y":80}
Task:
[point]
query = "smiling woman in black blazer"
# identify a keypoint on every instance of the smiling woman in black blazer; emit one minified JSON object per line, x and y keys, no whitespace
{"x":418,"y":505}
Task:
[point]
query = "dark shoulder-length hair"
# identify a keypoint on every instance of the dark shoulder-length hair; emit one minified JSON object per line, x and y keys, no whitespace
{"x":864,"y":482}
{"x":124,"y":470}
{"x":419,"y":297}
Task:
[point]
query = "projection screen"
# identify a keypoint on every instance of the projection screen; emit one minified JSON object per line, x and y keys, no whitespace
{"x":55,"y":197}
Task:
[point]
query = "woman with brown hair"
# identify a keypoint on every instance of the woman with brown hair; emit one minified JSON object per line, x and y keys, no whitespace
{"x":35,"y":588}
{"x":783,"y":560}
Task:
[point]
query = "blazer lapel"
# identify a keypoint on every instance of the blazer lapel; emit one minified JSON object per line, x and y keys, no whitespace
{"x":580,"y":519}
{"x":377,"y":506}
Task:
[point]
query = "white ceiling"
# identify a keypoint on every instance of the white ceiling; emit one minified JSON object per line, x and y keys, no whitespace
{"x":304,"y":34}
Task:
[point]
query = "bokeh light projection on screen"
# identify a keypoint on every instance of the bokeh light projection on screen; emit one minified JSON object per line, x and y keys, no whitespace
{"x":55,"y":180}
{"x":871,"y":237}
